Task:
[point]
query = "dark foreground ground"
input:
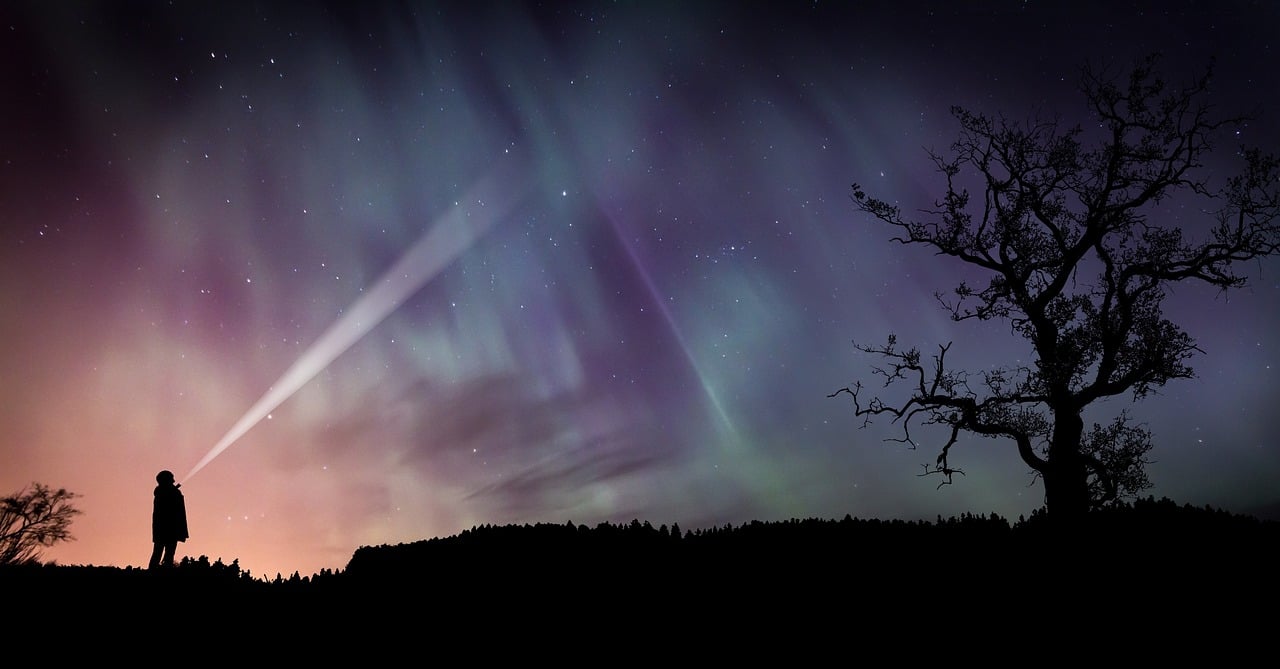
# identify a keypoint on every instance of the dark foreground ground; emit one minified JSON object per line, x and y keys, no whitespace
{"x":1148,"y":581}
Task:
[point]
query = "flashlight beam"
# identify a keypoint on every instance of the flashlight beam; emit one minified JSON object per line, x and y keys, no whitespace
{"x":450,"y":236}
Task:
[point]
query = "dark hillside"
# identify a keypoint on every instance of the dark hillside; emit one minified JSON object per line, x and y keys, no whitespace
{"x":1152,"y":558}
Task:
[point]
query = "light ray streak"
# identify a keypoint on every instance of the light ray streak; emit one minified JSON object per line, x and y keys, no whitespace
{"x":656,"y":295}
{"x":449,"y":236}
{"x":757,"y":474}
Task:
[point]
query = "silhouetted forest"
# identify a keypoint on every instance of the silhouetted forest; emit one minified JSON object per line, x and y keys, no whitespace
{"x":1147,"y":579}
{"x":1124,"y":542}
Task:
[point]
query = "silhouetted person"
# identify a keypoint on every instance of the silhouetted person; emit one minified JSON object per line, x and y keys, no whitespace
{"x":168,"y":521}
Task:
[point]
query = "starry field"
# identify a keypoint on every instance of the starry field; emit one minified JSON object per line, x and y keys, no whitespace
{"x":368,"y":273}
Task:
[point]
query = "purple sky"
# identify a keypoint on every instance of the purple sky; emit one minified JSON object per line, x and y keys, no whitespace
{"x":192,"y":194}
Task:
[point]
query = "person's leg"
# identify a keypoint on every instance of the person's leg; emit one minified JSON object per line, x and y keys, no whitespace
{"x":157,"y":553}
{"x":169,"y":549}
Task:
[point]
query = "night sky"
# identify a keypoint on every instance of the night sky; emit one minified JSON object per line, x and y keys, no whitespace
{"x":644,"y":281}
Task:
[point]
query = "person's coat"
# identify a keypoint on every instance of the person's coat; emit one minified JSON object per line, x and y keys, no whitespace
{"x":169,"y":519}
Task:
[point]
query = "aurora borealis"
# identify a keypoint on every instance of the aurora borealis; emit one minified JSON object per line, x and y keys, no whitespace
{"x":191,"y":193}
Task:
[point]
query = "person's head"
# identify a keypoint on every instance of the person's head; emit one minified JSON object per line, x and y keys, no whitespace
{"x":165,"y":477}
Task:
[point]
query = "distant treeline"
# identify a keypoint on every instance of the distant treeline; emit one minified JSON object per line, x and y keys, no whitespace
{"x":571,"y":591}
{"x":1143,"y":535}
{"x":1144,"y":525}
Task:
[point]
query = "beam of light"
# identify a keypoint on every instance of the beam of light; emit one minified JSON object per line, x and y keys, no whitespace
{"x":449,"y":236}
{"x":759,"y":476}
{"x":655,"y":295}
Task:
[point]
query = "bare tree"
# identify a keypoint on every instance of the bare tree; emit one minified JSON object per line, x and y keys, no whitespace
{"x":1074,"y":258}
{"x":33,"y":519}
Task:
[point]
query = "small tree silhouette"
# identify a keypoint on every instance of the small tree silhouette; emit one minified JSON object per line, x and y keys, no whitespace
{"x":1067,"y":239}
{"x":33,"y":519}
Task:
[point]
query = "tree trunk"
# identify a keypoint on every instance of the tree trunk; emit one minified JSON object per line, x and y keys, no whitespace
{"x":1066,"y":477}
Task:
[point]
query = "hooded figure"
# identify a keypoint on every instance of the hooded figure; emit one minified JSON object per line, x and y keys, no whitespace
{"x":168,"y":521}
